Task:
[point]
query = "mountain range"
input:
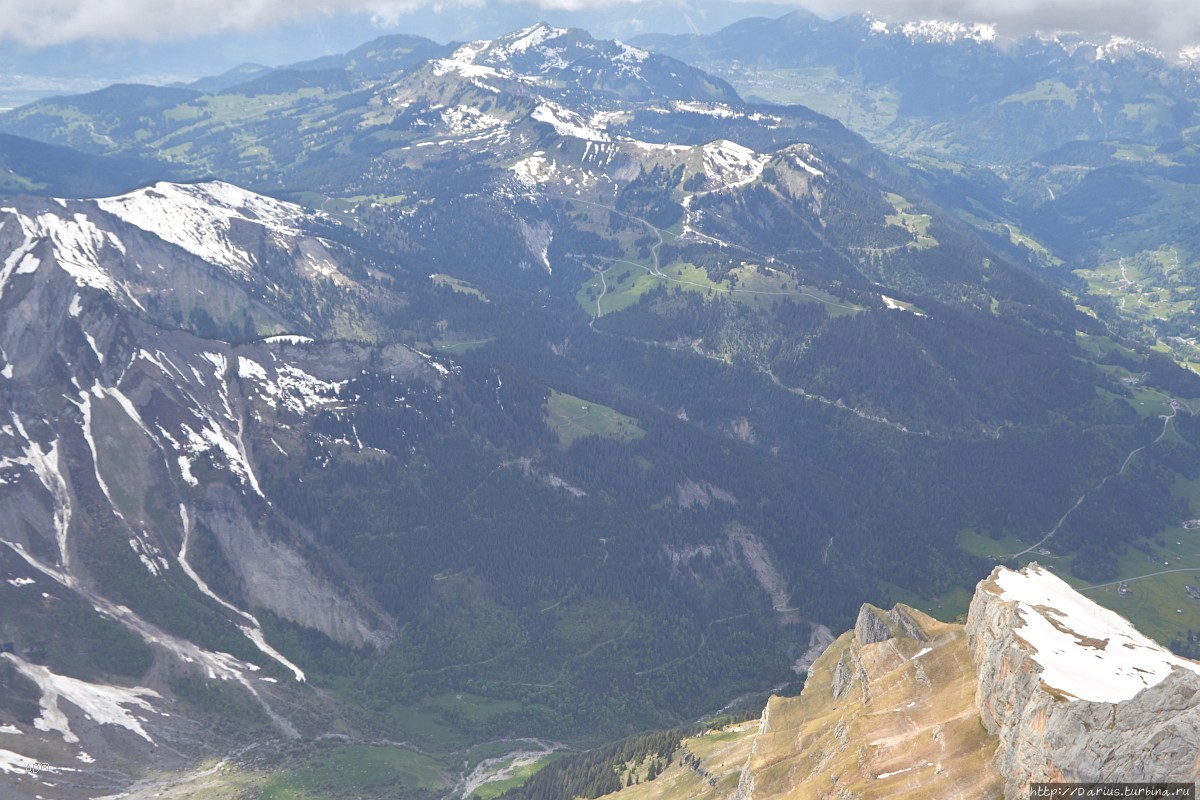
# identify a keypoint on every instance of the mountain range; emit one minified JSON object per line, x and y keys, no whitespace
{"x":388,"y":424}
{"x":1079,"y":151}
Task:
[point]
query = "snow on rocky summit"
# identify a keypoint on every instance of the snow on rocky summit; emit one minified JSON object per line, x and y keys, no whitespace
{"x":1085,"y":651}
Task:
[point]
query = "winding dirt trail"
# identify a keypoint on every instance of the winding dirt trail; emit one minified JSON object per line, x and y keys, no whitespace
{"x":1079,"y":501}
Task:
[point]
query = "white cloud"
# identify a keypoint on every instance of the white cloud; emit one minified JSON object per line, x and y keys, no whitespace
{"x":1170,"y":23}
{"x":388,"y":13}
{"x":59,"y":21}
{"x":49,"y":22}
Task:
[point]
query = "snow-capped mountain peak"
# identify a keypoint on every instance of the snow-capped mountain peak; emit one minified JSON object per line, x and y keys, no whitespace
{"x":943,"y":32}
{"x":629,"y":53}
{"x":1123,"y":47}
{"x":523,"y":40}
{"x":933,"y":30}
{"x":198,"y":217}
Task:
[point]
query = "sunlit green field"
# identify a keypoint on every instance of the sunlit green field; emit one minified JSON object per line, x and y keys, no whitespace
{"x":573,"y":417}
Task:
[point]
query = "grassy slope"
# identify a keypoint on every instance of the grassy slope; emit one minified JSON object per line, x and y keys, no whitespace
{"x":573,"y":417}
{"x":921,"y":712}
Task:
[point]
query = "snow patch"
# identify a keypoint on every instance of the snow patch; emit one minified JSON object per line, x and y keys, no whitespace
{"x":248,"y":369}
{"x":568,"y":123}
{"x":442,"y":369}
{"x":17,"y":764}
{"x":299,"y":392}
{"x":804,"y":165}
{"x":199,"y":218}
{"x":124,"y":402}
{"x":1084,"y":650}
{"x":462,"y":61}
{"x":534,"y":170}
{"x":185,"y":470}
{"x":943,"y":32}
{"x":29,"y":264}
{"x":218,"y":360}
{"x":524,"y":39}
{"x":255,"y":635}
{"x":211,"y":437}
{"x":629,"y":54}
{"x":718,"y":110}
{"x":896,"y":305}
{"x":467,"y":119}
{"x":150,"y":556}
{"x":883,"y":775}
{"x":730,"y":164}
{"x":105,"y":705}
{"x":292,"y":388}
{"x":289,"y":338}
{"x":91,"y":340}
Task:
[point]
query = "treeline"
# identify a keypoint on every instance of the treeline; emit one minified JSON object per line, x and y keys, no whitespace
{"x":1186,"y":643}
{"x":598,"y":772}
{"x":606,"y":769}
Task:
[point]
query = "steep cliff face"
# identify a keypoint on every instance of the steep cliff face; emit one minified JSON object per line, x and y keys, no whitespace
{"x":1073,"y":692}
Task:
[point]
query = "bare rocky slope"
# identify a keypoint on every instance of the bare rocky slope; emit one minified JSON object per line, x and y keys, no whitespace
{"x":126,"y":446}
{"x":1041,"y":684}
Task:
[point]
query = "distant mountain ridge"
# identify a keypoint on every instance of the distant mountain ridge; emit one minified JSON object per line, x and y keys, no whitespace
{"x":949,"y":75}
{"x":1077,"y":153}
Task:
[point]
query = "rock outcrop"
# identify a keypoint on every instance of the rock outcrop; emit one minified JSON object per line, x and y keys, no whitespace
{"x":888,"y":710}
{"x":876,"y":625}
{"x":1041,"y":684}
{"x":1073,"y":692}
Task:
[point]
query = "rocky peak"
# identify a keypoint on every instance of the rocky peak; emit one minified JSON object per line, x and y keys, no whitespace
{"x":876,"y":625}
{"x":1053,"y":664}
{"x":1041,"y":684}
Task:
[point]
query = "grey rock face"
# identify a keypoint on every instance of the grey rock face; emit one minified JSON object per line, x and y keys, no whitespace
{"x":843,"y":676}
{"x":277,"y":577}
{"x":1046,"y":735}
{"x":872,"y":625}
{"x":876,"y":625}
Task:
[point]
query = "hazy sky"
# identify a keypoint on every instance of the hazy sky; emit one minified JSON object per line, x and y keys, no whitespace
{"x":1170,"y":23}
